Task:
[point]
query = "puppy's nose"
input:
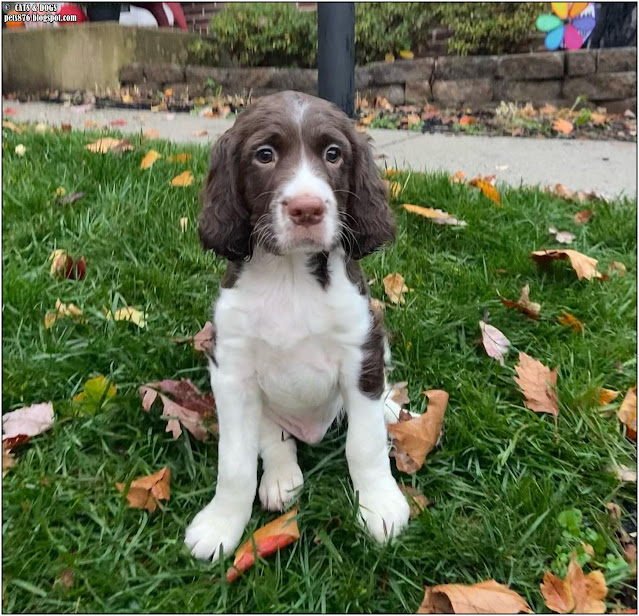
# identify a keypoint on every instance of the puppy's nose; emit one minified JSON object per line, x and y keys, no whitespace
{"x":306,"y":210}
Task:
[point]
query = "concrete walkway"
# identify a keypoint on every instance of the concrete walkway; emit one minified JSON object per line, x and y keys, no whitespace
{"x":606,"y":167}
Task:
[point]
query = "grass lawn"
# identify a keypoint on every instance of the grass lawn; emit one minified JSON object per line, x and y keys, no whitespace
{"x":500,"y":477}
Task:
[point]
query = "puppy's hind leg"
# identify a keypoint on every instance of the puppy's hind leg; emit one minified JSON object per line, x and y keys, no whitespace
{"x":282,"y":477}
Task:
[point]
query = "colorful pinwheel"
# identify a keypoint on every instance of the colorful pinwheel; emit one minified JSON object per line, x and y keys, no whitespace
{"x":570,"y":26}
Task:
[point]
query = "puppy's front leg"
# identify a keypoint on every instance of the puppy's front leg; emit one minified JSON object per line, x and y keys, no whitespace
{"x":222,"y":522}
{"x":382,"y":507}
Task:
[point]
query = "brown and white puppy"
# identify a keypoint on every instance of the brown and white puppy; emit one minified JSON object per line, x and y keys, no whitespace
{"x":293,"y":199}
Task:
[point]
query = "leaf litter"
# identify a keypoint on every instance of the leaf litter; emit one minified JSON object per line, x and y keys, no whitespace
{"x":146,"y":492}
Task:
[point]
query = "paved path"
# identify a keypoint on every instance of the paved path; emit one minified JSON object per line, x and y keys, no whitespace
{"x":607,"y":167}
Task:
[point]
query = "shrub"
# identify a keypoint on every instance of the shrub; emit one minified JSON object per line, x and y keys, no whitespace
{"x":277,"y":34}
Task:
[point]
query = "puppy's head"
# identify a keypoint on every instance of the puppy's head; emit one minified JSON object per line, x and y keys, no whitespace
{"x":293,"y":175}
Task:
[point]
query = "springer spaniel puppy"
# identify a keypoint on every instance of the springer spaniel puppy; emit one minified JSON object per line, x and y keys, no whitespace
{"x":293,"y":200}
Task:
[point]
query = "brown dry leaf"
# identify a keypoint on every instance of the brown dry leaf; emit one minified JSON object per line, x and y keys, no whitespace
{"x":8,"y":461}
{"x":399,"y":393}
{"x":523,"y":304}
{"x":182,"y":157}
{"x":598,"y":119}
{"x":617,"y":268}
{"x":149,"y":158}
{"x":606,"y":396}
{"x":395,"y":288}
{"x":563,"y":237}
{"x":487,"y":597}
{"x":583,"y":594}
{"x":494,"y":341}
{"x":537,"y":383}
{"x":570,"y":320}
{"x":204,"y":340}
{"x":12,"y":127}
{"x":415,"y":437}
{"x":628,"y":413}
{"x":436,"y":216}
{"x":66,"y":578}
{"x":585,"y":267}
{"x":183,"y":179}
{"x":416,"y":500}
{"x":187,"y":407}
{"x":457,"y":178}
{"x":151,"y":133}
{"x":63,"y":310}
{"x":66,"y":128}
{"x":145,"y":492}
{"x":267,"y":540}
{"x":108,"y":144}
{"x":625,"y":473}
{"x":487,"y":189}
{"x":563,"y":126}
{"x":168,"y":92}
{"x":413,"y":119}
{"x":583,"y":217}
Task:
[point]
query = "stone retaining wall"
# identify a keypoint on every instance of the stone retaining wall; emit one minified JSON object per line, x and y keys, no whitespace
{"x":606,"y":76}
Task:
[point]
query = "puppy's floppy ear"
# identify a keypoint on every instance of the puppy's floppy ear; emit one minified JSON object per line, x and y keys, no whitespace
{"x":368,"y":217}
{"x":224,"y":221}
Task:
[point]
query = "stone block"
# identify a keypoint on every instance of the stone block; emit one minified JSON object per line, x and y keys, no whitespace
{"x":530,"y":66}
{"x":617,"y":60}
{"x":418,"y":92}
{"x":394,"y":93}
{"x":401,"y":71}
{"x":620,"y":106}
{"x":300,"y":79}
{"x":164,"y":73}
{"x":527,"y":91}
{"x":581,"y":62}
{"x":132,"y":73}
{"x":602,"y":86}
{"x":465,"y":67}
{"x":465,"y":91}
{"x":363,"y":77}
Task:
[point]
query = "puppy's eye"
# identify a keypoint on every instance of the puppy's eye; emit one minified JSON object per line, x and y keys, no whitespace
{"x":265,"y":155}
{"x":333,"y":154}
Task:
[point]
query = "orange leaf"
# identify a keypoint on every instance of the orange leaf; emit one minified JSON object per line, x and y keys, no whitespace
{"x":183,"y":179}
{"x":585,"y":267}
{"x":168,"y":92}
{"x":487,"y":189}
{"x":413,"y":119}
{"x":268,"y":540}
{"x":395,"y":288}
{"x":523,"y":304}
{"x":458,"y":178}
{"x":415,"y":438}
{"x":108,"y":144}
{"x":204,"y":340}
{"x":583,"y":217}
{"x":150,"y":157}
{"x":145,"y":492}
{"x":537,"y":383}
{"x":179,"y":158}
{"x":583,"y":594}
{"x":606,"y":396}
{"x":366,"y":120}
{"x":151,"y":133}
{"x":487,"y":597}
{"x":563,"y":126}
{"x":437,"y":216}
{"x":569,"y":320}
{"x":628,"y":413}
{"x":467,"y":120}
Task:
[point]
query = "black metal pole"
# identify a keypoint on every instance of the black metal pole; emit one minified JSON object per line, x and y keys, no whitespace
{"x":336,"y":54}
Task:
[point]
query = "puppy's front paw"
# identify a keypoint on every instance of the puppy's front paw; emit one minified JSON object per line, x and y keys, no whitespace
{"x":214,"y":527}
{"x":280,"y":485}
{"x":383,"y":512}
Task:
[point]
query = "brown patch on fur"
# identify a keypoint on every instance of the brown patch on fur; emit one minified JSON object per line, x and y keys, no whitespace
{"x":371,"y":377}
{"x":356,"y":276}
{"x":231,"y":275}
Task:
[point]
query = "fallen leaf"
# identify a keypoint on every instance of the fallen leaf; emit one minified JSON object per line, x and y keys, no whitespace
{"x":416,"y":500}
{"x":598,"y":119}
{"x":96,"y":394}
{"x":20,"y":150}
{"x":399,"y":393}
{"x":395,"y":288}
{"x":151,"y":133}
{"x":389,"y":57}
{"x":569,"y":320}
{"x":487,"y":597}
{"x":628,"y":413}
{"x":8,"y":461}
{"x":563,"y":237}
{"x":406,"y":54}
{"x":128,"y":313}
{"x":548,"y":109}
{"x":149,"y":158}
{"x":267,"y":540}
{"x":537,"y":383}
{"x":41,"y":127}
{"x":183,"y":179}
{"x":606,"y":396}
{"x":199,"y":133}
{"x":583,"y":594}
{"x":60,"y":191}
{"x":90,"y":124}
{"x":66,"y":128}
{"x":563,"y":126}
{"x":457,"y":178}
{"x":72,"y":198}
{"x":168,"y":92}
{"x":184,"y":223}
{"x":107,"y":144}
{"x":523,"y":304}
{"x":467,"y":120}
{"x":436,"y":216}
{"x":394,"y":189}
{"x":617,"y":268}
{"x":117,"y":122}
{"x":187,"y":407}
{"x":377,"y":306}
{"x":64,"y":266}
{"x":614,"y":510}
{"x":494,"y":341}
{"x":487,"y":189}
{"x":12,"y":127}
{"x":585,"y":267}
{"x":204,"y":340}
{"x":413,"y":119}
{"x":179,"y":158}
{"x":415,"y":437}
{"x":145,"y":492}
{"x":625,"y":473}
{"x":61,"y":311}
{"x":20,"y":425}
{"x":366,"y":120}
{"x":66,"y":578}
{"x":583,"y":217}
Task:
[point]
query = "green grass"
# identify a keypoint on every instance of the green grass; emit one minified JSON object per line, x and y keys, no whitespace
{"x":499,"y":479}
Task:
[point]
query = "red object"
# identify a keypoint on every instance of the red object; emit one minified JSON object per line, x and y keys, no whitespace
{"x":157,"y":10}
{"x":72,"y":9}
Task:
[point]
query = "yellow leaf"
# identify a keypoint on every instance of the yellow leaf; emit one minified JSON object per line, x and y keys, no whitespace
{"x":11,"y":126}
{"x":606,"y":396}
{"x":150,"y":157}
{"x":63,"y":310}
{"x":60,"y":191}
{"x":406,"y":54}
{"x":128,"y":314}
{"x":437,"y":216}
{"x":389,"y":57}
{"x":366,"y":120}
{"x":179,"y":158}
{"x":184,"y":179}
{"x":184,"y":223}
{"x":395,"y":288}
{"x":488,"y":190}
{"x":569,"y":320}
{"x":107,"y":144}
{"x":127,"y":99}
{"x":585,"y":267}
{"x":394,"y":189}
